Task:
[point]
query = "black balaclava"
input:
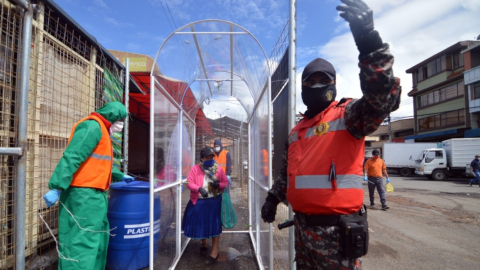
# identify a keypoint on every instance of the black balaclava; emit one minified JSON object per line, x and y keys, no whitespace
{"x":318,"y":99}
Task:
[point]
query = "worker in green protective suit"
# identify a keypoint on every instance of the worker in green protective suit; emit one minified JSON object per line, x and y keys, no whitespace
{"x":80,"y":180}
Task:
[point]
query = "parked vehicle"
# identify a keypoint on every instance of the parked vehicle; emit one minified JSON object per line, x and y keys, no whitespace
{"x":450,"y":160}
{"x":402,"y":156}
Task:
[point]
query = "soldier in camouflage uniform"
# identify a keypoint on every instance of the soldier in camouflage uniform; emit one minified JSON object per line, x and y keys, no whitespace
{"x":318,"y":247}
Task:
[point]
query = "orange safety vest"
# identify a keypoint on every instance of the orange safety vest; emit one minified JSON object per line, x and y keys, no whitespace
{"x":265,"y":162}
{"x":186,"y":163}
{"x":96,"y":170}
{"x":221,"y":159}
{"x":314,"y":145}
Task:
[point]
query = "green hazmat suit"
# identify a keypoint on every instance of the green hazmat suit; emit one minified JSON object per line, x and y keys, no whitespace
{"x":89,"y":206}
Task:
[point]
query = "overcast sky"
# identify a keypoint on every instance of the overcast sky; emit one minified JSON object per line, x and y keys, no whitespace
{"x":415,"y":30}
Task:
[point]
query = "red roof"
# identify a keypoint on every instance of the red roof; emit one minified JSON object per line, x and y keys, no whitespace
{"x":140,"y":103}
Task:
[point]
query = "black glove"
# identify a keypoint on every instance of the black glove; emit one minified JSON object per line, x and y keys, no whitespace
{"x":215,"y":184}
{"x":269,"y":208}
{"x":203,"y":192}
{"x":360,"y":18}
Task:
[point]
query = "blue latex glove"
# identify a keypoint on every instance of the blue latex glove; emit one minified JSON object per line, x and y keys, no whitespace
{"x":388,"y":180}
{"x":51,"y":197}
{"x":128,"y":178}
{"x":230,"y":183}
{"x":365,"y":178}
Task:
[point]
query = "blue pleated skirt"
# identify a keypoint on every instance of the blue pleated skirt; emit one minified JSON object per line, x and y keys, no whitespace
{"x":203,"y":220}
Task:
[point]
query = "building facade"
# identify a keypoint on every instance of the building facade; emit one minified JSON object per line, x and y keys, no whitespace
{"x":472,"y":84}
{"x":441,"y":98}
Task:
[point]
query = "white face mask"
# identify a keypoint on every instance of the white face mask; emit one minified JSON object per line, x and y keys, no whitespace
{"x":217,"y":148}
{"x":116,"y":127}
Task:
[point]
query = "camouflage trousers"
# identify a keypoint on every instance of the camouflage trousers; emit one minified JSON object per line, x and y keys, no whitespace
{"x":318,"y":248}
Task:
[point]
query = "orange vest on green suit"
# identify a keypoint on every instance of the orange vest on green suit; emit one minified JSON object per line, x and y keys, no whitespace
{"x":96,"y":170}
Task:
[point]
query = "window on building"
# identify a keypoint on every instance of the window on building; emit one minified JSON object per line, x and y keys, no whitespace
{"x":457,"y":60}
{"x":453,"y":118}
{"x":438,"y":96}
{"x":450,"y":91}
{"x":476,"y":91}
{"x":432,"y":68}
{"x":460,"y":88}
{"x":420,"y":76}
{"x":437,"y":121}
{"x":461,"y":116}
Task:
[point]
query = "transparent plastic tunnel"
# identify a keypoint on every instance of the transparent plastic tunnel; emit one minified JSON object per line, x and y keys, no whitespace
{"x":197,"y":62}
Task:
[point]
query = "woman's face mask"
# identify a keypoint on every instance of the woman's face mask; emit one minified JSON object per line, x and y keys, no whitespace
{"x":116,"y":127}
{"x":208,"y":162}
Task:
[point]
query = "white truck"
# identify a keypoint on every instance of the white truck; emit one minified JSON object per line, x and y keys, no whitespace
{"x":448,"y":161}
{"x":402,"y":156}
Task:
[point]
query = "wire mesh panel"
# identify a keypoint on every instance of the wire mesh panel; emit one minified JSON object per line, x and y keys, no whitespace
{"x":279,"y":70}
{"x":10,"y":27}
{"x":62,"y":93}
{"x":66,"y":84}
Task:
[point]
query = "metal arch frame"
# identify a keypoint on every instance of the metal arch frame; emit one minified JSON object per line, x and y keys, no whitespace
{"x":256,"y":242}
{"x":209,"y":20}
{"x":221,"y":71}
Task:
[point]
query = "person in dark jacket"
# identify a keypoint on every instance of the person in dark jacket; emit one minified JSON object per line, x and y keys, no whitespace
{"x":321,"y":174}
{"x":475,"y":170}
{"x":224,"y":160}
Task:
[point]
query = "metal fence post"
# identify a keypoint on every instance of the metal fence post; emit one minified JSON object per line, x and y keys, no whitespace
{"x":127,"y":105}
{"x":292,"y":63}
{"x":21,"y":166}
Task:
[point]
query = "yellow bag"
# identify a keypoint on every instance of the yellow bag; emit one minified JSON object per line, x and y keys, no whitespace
{"x":389,"y":187}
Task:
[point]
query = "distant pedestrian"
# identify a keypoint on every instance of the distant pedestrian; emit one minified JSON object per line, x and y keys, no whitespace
{"x":224,"y":160}
{"x":373,"y":169}
{"x":475,"y":170}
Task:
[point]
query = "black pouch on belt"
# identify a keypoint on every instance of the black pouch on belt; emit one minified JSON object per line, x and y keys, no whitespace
{"x":354,"y":234}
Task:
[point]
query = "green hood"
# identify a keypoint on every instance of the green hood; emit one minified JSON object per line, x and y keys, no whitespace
{"x":113,"y":111}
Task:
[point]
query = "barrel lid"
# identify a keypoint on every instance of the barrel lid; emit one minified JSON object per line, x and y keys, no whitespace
{"x":136,"y":185}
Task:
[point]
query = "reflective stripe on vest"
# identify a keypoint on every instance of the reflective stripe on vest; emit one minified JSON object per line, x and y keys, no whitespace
{"x":322,"y":181}
{"x":96,"y":170}
{"x":293,"y":137}
{"x":101,"y":157}
{"x":335,"y":125}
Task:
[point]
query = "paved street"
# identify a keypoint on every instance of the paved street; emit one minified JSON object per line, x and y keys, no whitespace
{"x":430,"y":225}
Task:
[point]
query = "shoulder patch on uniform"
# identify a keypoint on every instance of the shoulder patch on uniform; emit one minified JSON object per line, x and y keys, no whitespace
{"x":321,"y":129}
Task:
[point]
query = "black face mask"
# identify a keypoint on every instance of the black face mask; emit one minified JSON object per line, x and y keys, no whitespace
{"x":318,"y":99}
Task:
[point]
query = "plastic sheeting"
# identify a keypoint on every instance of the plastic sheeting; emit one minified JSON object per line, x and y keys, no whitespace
{"x":199,"y":61}
{"x":211,"y":63}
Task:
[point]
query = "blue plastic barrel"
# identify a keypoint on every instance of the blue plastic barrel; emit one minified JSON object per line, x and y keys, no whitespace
{"x":128,"y":211}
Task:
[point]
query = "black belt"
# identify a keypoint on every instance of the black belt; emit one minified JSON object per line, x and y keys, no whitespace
{"x":324,"y":220}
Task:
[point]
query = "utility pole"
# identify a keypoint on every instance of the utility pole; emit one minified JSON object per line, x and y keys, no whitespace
{"x":389,"y":129}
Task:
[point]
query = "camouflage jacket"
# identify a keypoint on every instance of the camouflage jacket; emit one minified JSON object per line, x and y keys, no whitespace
{"x":381,"y":95}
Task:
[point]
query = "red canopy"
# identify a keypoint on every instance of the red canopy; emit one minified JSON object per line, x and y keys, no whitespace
{"x":140,"y":103}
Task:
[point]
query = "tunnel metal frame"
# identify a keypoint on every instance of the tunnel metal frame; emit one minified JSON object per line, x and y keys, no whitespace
{"x":253,"y":182}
